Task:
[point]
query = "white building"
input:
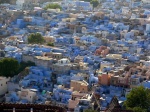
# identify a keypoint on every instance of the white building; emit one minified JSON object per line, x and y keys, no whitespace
{"x":26,"y":3}
{"x":30,"y":95}
{"x":81,"y":5}
{"x":27,"y":94}
{"x":146,"y":1}
{"x":67,"y":3}
{"x":125,"y":10}
{"x":3,"y":87}
{"x":20,"y":3}
{"x":148,"y":27}
{"x":147,"y":32}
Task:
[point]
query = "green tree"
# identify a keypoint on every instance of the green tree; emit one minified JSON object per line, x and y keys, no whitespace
{"x":8,"y":67}
{"x":138,"y":109}
{"x":50,"y":44}
{"x":4,"y":1}
{"x":138,"y":99}
{"x":53,"y":6}
{"x":35,"y":38}
{"x":86,"y":0}
{"x":94,"y":3}
{"x":90,"y":110}
{"x":23,"y":65}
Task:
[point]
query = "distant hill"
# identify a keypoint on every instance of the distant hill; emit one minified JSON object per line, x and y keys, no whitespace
{"x":4,"y":1}
{"x":8,"y":1}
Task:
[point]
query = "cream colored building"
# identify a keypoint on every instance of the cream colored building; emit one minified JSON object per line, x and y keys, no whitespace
{"x":78,"y":59}
{"x":27,"y":94}
{"x":3,"y":87}
{"x":114,"y":56}
{"x":63,"y":66}
{"x":105,"y":64}
{"x":50,"y":39}
{"x":57,"y":56}
{"x":76,"y":96}
{"x":42,"y":61}
{"x":81,"y":86}
{"x":105,"y":33}
{"x":54,"y":55}
{"x":73,"y":103}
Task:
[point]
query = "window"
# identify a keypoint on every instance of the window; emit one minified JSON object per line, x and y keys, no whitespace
{"x":1,"y":84}
{"x":113,"y":81}
{"x":73,"y":98}
{"x":133,"y":82}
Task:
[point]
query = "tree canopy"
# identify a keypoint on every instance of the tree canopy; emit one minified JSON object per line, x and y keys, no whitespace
{"x":53,"y":6}
{"x":8,"y":67}
{"x":4,"y":1}
{"x":86,"y":0}
{"x":23,"y":65}
{"x":90,"y":110}
{"x":35,"y":38}
{"x":93,"y":2}
{"x":139,"y":109}
{"x":138,"y":99}
{"x":50,"y":44}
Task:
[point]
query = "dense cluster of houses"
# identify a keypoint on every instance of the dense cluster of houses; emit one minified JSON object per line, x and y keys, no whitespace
{"x":98,"y":53}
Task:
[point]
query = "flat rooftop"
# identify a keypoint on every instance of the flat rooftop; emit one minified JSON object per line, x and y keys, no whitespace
{"x":43,"y":58}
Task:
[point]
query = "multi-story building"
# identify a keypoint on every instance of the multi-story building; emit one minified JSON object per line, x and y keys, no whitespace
{"x":145,"y":1}
{"x":44,"y":61}
{"x":3,"y":87}
{"x":27,"y":94}
{"x":81,"y":86}
{"x":63,"y":66}
{"x":104,"y":79}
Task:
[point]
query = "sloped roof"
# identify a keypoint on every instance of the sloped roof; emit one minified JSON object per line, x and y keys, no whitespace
{"x":115,"y":107}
